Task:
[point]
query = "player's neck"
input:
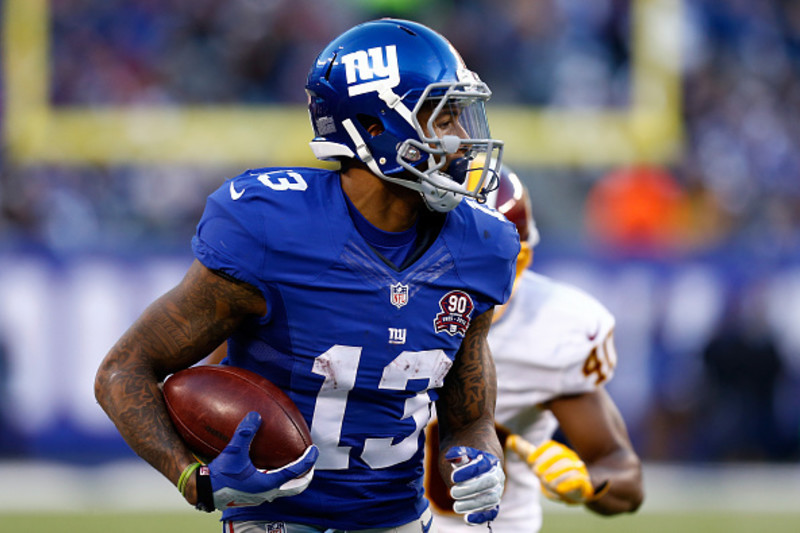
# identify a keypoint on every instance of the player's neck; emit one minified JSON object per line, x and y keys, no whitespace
{"x":386,"y":206}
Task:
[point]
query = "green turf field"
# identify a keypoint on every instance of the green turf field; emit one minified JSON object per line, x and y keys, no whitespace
{"x":576,"y":522}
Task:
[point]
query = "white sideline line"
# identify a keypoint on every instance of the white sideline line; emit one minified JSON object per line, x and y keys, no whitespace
{"x":135,"y":486}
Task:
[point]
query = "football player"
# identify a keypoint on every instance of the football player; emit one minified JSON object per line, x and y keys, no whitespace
{"x":366,"y":293}
{"x":554,"y":351}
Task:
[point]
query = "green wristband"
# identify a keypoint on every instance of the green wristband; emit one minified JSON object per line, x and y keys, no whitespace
{"x":184,"y":479}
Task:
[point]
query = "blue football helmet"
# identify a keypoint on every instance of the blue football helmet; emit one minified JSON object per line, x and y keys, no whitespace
{"x":397,"y":96}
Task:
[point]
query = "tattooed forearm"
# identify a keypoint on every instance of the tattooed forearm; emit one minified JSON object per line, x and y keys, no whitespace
{"x":471,"y":385}
{"x":176,"y":331}
{"x":127,"y":388}
{"x":131,"y":398}
{"x":465,"y":408}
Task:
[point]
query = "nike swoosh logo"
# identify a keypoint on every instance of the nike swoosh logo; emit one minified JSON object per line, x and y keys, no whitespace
{"x":234,"y":505}
{"x":235,"y":195}
{"x":592,"y":336}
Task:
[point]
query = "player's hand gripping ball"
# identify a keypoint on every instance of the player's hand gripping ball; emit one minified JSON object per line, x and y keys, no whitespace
{"x":207,"y":403}
{"x":235,"y":482}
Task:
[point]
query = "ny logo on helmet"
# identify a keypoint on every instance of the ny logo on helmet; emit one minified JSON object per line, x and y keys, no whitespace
{"x":363,"y":67}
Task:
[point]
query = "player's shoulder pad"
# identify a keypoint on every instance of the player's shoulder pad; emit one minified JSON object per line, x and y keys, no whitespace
{"x":486,"y":249}
{"x":568,"y":312}
{"x":495,"y":233}
{"x":259,"y":215}
{"x":273,"y":185}
{"x":276,"y":195}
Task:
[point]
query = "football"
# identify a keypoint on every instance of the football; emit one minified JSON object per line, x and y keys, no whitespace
{"x":206,"y":404}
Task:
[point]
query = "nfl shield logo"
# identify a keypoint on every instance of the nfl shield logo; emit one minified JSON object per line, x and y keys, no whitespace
{"x":399,"y":295}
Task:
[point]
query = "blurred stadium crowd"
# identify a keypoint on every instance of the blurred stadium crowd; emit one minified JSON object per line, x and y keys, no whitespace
{"x":732,"y":198}
{"x":742,"y":95}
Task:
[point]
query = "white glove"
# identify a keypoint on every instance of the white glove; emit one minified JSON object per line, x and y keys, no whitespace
{"x":479,"y":480}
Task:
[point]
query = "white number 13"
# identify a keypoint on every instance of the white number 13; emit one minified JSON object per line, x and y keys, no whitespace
{"x":339,"y":367}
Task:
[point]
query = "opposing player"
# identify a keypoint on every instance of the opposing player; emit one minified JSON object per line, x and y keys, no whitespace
{"x":554,"y":351}
{"x":365,"y":293}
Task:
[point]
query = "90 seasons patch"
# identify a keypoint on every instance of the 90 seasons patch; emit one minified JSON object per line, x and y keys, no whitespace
{"x":454,"y":318}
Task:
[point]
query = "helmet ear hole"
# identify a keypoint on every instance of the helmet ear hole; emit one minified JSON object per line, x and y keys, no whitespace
{"x":373,"y":125}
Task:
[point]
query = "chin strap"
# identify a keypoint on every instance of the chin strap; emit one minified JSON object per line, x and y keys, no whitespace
{"x":437,"y":199}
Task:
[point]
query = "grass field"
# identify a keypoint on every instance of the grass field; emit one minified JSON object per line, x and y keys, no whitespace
{"x":573,"y":522}
{"x":129,"y":497}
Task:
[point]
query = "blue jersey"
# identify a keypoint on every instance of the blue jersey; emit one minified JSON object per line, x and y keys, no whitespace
{"x":360,"y":347}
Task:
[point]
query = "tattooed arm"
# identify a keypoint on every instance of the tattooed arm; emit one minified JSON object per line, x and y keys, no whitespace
{"x":465,"y":408}
{"x":174,"y":332}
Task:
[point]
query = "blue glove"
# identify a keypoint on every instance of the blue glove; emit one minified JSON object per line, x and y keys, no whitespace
{"x":479,"y":480}
{"x":235,"y":482}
